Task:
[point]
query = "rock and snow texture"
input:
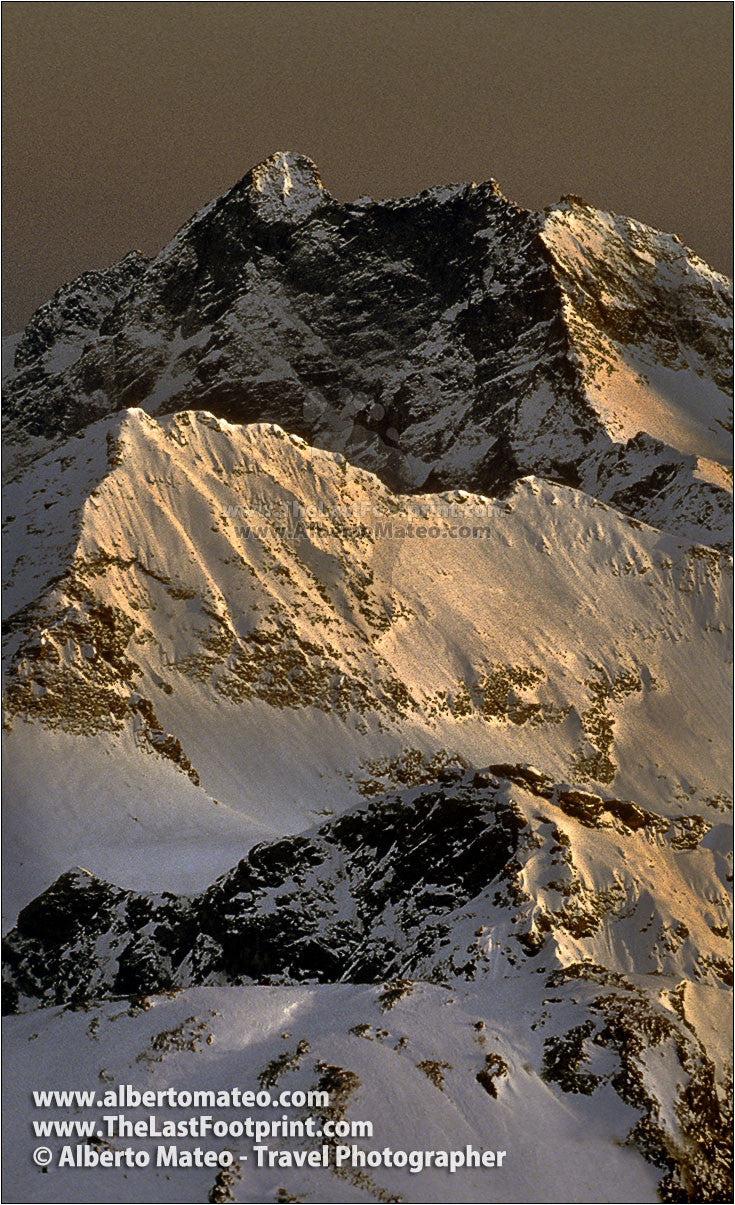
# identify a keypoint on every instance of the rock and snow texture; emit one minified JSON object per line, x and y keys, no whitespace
{"x":532,"y":943}
{"x":397,"y":760}
{"x":448,"y":339}
{"x":286,"y":188}
{"x":407,"y":1057}
{"x":189,"y":592}
{"x":397,"y":888}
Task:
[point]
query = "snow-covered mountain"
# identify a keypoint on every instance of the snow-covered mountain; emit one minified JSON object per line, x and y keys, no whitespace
{"x":397,"y":888}
{"x":447,"y":340}
{"x":398,"y":760}
{"x":182,"y":593}
{"x":448,"y":885}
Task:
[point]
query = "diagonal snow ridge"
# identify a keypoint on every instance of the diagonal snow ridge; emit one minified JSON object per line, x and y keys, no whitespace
{"x":180,"y":589}
{"x":564,"y":931}
{"x":397,"y":888}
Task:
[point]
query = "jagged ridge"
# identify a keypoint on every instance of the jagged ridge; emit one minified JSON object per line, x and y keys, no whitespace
{"x":450,"y":339}
{"x":308,"y":589}
{"x":394,"y":889}
{"x":450,"y":883}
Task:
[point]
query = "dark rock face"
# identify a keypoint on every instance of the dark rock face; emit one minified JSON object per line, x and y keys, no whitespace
{"x":444,"y":340}
{"x":458,"y":881}
{"x":74,"y":315}
{"x":395,"y":888}
{"x":305,"y":908}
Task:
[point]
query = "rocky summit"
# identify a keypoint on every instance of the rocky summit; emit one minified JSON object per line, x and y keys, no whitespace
{"x":368,"y":659}
{"x":448,"y":339}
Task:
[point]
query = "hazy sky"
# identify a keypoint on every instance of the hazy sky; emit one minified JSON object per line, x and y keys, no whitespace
{"x":121,"y":119}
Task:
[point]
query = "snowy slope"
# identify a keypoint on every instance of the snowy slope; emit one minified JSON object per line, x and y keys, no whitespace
{"x":630,"y":292}
{"x":198,"y":612}
{"x":251,"y":1029}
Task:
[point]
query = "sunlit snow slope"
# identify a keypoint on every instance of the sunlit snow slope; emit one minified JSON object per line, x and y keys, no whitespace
{"x":198,"y":612}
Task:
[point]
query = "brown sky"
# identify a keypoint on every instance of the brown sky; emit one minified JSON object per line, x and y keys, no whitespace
{"x":121,"y":119}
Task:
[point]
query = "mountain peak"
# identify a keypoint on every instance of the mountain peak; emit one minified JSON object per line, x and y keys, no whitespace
{"x":448,"y":340}
{"x":285,"y":187}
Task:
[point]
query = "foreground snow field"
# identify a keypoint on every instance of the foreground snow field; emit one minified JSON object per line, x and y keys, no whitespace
{"x":412,"y":1069}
